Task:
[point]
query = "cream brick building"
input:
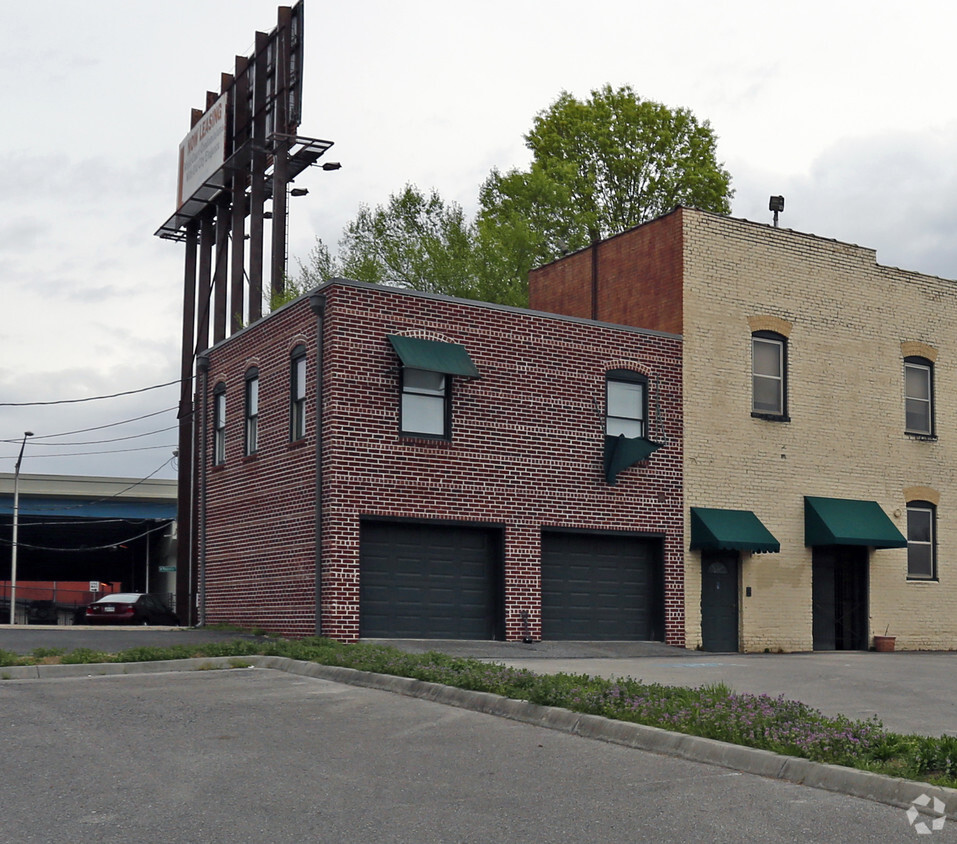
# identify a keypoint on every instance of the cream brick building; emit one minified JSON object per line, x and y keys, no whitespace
{"x":819,"y":416}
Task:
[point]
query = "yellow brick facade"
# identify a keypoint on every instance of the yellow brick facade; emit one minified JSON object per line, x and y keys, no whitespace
{"x":849,"y":324}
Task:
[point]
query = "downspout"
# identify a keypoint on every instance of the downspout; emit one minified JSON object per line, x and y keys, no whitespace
{"x":317,"y":303}
{"x":202,"y":367}
{"x":595,"y":239}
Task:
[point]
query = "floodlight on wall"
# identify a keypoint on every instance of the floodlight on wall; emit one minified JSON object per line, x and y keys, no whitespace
{"x":299,"y":192}
{"x":776,"y":204}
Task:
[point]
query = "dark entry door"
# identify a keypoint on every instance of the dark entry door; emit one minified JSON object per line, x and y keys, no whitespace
{"x":839,"y":598}
{"x":719,"y":601}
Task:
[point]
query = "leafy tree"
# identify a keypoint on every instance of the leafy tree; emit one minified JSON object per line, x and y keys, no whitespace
{"x":598,"y":167}
{"x":320,"y":265}
{"x":413,"y":241}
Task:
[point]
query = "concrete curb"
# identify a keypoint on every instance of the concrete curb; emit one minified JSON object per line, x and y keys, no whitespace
{"x":864,"y":784}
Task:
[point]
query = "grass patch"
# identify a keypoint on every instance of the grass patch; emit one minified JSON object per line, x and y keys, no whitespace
{"x":775,"y":724}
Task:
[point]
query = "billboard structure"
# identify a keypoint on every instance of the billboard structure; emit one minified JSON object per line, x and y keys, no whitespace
{"x":240,"y":154}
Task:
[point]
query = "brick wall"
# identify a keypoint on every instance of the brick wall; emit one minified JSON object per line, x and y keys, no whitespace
{"x":526,"y":452}
{"x":632,"y":279}
{"x":851,"y":321}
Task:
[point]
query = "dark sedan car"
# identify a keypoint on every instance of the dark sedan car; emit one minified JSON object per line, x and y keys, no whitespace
{"x":130,"y":608}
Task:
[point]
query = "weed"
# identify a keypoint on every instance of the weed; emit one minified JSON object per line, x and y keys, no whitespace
{"x":44,"y":653}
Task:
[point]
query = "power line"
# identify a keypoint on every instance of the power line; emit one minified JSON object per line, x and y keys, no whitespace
{"x":87,"y":453}
{"x":113,"y":440}
{"x":88,"y":398}
{"x":94,"y":428}
{"x":85,"y":548}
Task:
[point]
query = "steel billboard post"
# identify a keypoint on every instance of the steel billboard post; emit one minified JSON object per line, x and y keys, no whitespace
{"x":241,"y":151}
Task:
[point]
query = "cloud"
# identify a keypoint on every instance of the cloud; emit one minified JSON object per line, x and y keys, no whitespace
{"x":895,"y":193}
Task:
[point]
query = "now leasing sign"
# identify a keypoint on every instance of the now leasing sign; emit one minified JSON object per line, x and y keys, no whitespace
{"x":202,"y":152}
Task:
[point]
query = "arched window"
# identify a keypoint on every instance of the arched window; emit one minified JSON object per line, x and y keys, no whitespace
{"x":219,"y":424}
{"x":626,"y":403}
{"x":252,"y":410}
{"x":921,"y":540}
{"x":297,"y":393}
{"x":919,"y":396}
{"x":769,"y":375}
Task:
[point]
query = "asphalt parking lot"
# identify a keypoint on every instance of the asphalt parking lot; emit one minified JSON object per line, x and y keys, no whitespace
{"x":252,"y":755}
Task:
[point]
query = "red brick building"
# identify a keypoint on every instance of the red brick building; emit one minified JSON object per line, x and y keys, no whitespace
{"x":479,"y":472}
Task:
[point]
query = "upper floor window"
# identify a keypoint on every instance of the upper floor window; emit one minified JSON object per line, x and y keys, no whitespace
{"x":769,"y":375}
{"x":219,"y":424}
{"x":252,"y":411}
{"x":626,"y":403}
{"x":918,"y":396}
{"x":921,"y":540}
{"x":426,"y":399}
{"x":297,"y":394}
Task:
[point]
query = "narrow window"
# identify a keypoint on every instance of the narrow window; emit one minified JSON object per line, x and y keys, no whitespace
{"x":625,"y":403}
{"x":918,"y":396}
{"x":921,"y":541}
{"x":769,"y":375}
{"x":297,"y":393}
{"x":252,"y":411}
{"x":219,"y":424}
{"x":425,"y":403}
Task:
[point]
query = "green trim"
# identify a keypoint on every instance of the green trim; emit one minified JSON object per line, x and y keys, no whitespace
{"x":847,"y":521}
{"x":713,"y":529}
{"x":622,"y":452}
{"x":433,"y":356}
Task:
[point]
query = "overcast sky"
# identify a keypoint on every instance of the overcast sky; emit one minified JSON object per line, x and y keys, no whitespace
{"x":846,"y":109}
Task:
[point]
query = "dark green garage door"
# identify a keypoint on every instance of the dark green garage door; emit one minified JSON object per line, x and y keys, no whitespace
{"x":420,"y":581}
{"x":602,"y":587}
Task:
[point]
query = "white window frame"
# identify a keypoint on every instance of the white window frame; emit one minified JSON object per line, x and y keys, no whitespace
{"x":252,"y":412}
{"x":778,"y":379}
{"x":419,"y":399}
{"x":297,"y":394}
{"x":617,"y":422}
{"x":913,"y":365}
{"x":929,"y":544}
{"x":219,"y":424}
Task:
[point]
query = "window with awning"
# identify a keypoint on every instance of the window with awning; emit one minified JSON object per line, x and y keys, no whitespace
{"x":715,"y":529}
{"x":426,"y":401}
{"x":849,"y":521}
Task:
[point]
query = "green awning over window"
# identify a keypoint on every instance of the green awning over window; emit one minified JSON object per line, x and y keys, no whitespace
{"x":730,"y":530}
{"x":433,"y":356}
{"x":847,"y":521}
{"x":622,"y":452}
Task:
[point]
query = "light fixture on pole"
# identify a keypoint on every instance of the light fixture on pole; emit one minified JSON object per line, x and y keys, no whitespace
{"x":16,"y":515}
{"x":776,"y":204}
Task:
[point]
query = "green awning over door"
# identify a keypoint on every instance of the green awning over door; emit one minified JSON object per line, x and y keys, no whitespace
{"x":847,"y":521}
{"x":433,"y":356}
{"x":730,"y":530}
